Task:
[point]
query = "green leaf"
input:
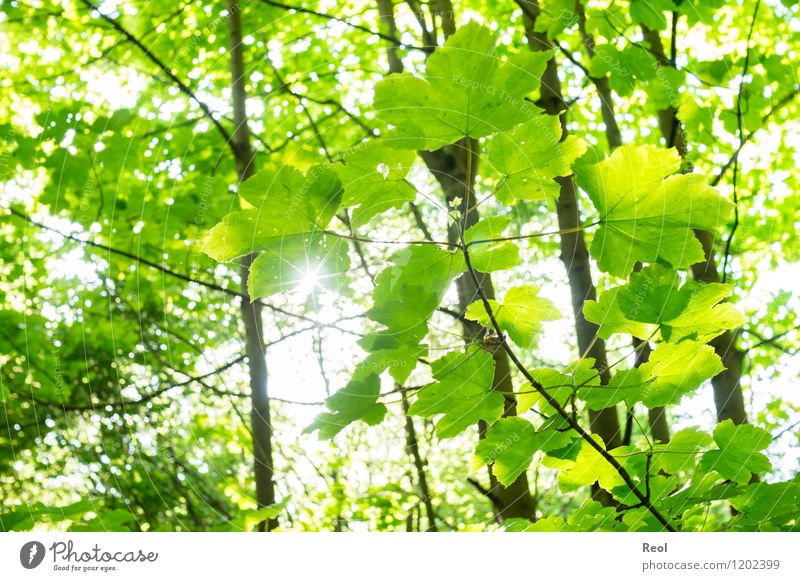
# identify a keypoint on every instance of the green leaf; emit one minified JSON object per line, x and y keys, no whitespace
{"x":560,"y":385}
{"x":286,"y":262}
{"x":489,"y":256}
{"x":703,"y":319}
{"x":285,"y":203}
{"x":356,"y":401}
{"x":25,"y":518}
{"x":511,"y":443}
{"x":590,"y":467}
{"x":547,"y":524}
{"x":681,"y":452}
{"x":593,"y":516}
{"x":649,"y":13}
{"x":626,"y":385}
{"x":112,"y":521}
{"x":607,"y":313}
{"x":509,"y":446}
{"x":776,"y":503}
{"x":374,"y":179}
{"x":462,"y":393}
{"x":555,"y":16}
{"x":468,"y":90}
{"x":408,"y":292}
{"x":520,"y":314}
{"x":388,"y":351}
{"x":675,"y":370}
{"x":246,"y":520}
{"x":647,"y":214}
{"x":739,"y":456}
{"x":654,"y":296}
{"x":528,"y":158}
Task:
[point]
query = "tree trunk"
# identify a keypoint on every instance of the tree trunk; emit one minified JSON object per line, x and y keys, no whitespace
{"x":728,"y":397}
{"x":412,"y":445}
{"x":574,"y":253}
{"x":251,"y":312}
{"x":454,"y":168}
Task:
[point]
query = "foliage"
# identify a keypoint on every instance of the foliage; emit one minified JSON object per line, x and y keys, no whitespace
{"x":404,"y":229}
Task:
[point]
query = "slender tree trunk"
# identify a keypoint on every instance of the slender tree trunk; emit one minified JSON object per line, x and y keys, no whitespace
{"x":574,"y":253}
{"x":454,"y":167}
{"x":251,"y":312}
{"x":613,"y":134}
{"x":728,"y":397}
{"x":656,"y":416}
{"x":412,"y":445}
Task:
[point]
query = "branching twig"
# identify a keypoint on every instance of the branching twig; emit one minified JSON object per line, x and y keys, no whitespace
{"x":741,"y":145}
{"x":344,"y":21}
{"x":571,"y":421}
{"x":183,"y":87}
{"x":175,"y":274}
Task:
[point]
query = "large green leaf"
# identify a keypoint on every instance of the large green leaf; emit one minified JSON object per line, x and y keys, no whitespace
{"x":675,"y":370}
{"x":706,"y":316}
{"x":560,"y":385}
{"x":357,"y":401}
{"x":590,"y":467}
{"x":655,"y":296}
{"x":671,"y":372}
{"x":374,"y":179}
{"x":520,"y":314}
{"x":462,"y":393}
{"x":409,"y":291}
{"x":529,"y":156}
{"x":390,"y":351}
{"x":284,"y":201}
{"x":681,"y":452}
{"x":468,"y":90}
{"x":608,"y":314}
{"x":284,"y":263}
{"x":739,"y":455}
{"x":624,"y":385}
{"x":509,"y":446}
{"x":766,"y":505}
{"x":487,"y":252}
{"x":646,"y":213}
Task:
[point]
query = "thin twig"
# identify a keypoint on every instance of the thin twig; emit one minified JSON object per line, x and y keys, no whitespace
{"x":741,"y":145}
{"x":183,"y":87}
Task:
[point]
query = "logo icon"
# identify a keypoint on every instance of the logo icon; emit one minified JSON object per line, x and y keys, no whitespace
{"x":31,"y":554}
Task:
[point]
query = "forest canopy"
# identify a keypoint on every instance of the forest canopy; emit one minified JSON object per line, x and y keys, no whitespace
{"x":384,"y":265}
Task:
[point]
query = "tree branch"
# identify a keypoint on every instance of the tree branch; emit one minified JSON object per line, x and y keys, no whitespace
{"x":626,"y":477}
{"x":741,"y":145}
{"x":344,"y":21}
{"x":177,"y":275}
{"x":183,"y":87}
